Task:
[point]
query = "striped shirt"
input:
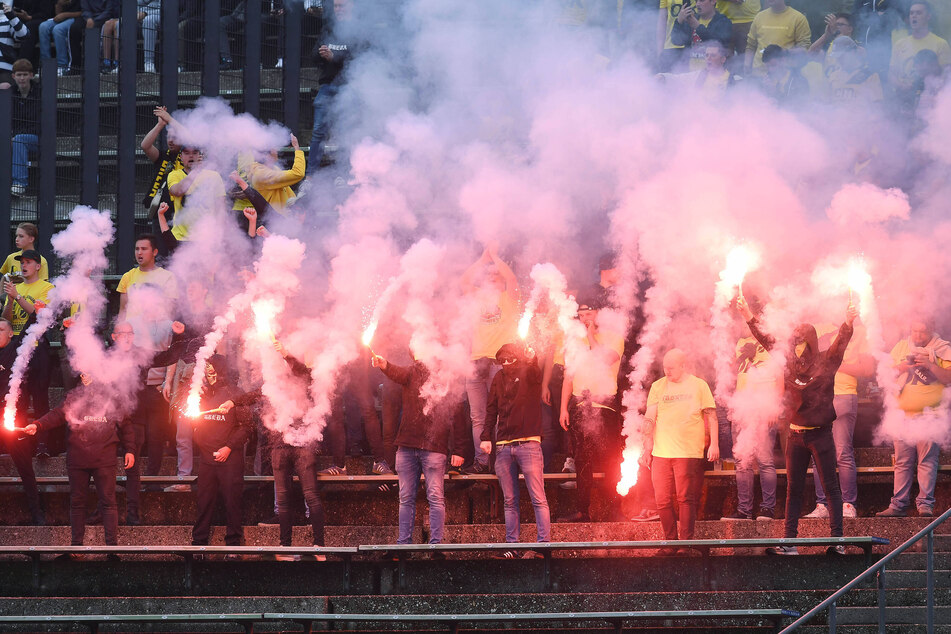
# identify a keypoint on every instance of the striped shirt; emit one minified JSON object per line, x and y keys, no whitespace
{"x":11,"y":29}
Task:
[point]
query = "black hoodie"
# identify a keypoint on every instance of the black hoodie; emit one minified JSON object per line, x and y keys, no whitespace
{"x":515,"y":402}
{"x":215,"y":430}
{"x":95,"y":427}
{"x":810,"y":379}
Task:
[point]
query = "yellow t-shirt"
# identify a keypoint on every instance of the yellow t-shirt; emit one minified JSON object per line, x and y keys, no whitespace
{"x":858,"y":345}
{"x":787,"y":29}
{"x":12,"y":265}
{"x":158,"y":277}
{"x":679,"y":430}
{"x":497,"y":324}
{"x":206,"y":188}
{"x":673,"y":8}
{"x":38,"y":290}
{"x":739,"y":13}
{"x":272,"y":183}
{"x":905,"y":49}
{"x":751,"y":371}
{"x":591,"y":372}
{"x":921,"y":388}
{"x":859,"y":88}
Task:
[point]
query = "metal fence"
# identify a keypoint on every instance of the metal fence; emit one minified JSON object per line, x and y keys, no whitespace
{"x":91,"y":123}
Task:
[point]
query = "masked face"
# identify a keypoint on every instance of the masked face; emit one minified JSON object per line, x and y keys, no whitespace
{"x":211,"y":375}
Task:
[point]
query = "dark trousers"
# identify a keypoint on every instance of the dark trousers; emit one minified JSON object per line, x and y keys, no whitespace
{"x":28,"y":44}
{"x":134,"y":475}
{"x":552,"y":436}
{"x":286,"y":460}
{"x":105,"y":480}
{"x":227,"y":480}
{"x":37,"y":391}
{"x":20,"y":449}
{"x":677,"y":492}
{"x":153,"y":412}
{"x":360,"y":395}
{"x":596,"y":434}
{"x":819,"y":445}
{"x":644,"y":489}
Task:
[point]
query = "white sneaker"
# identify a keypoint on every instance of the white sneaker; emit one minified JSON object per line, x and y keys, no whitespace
{"x":280,"y":63}
{"x":61,"y":71}
{"x":820,"y":512}
{"x":849,"y":511}
{"x":17,"y":189}
{"x":149,"y":67}
{"x":782,"y":550}
{"x":569,"y":466}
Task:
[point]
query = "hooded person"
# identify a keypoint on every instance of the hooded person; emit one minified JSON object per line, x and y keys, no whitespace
{"x":96,"y":425}
{"x":430,"y":435}
{"x":808,"y":406}
{"x":514,"y":421}
{"x":220,"y":435}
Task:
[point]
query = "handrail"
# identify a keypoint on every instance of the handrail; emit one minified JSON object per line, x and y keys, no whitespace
{"x":927,"y":531}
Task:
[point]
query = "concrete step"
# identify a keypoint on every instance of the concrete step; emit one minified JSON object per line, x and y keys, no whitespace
{"x":894,"y":615}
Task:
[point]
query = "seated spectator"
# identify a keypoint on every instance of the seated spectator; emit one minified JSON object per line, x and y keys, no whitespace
{"x":777,"y":25}
{"x":693,"y":27}
{"x":25,"y":240}
{"x":931,"y":80}
{"x":713,"y":79}
{"x":12,"y":29}
{"x":32,"y":13}
{"x":103,"y":14}
{"x":57,"y":29}
{"x":150,"y":15}
{"x":25,"y":124}
{"x":203,"y":187}
{"x":837,"y":25}
{"x":783,"y":81}
{"x":849,"y":78}
{"x":95,"y":430}
{"x":236,"y":21}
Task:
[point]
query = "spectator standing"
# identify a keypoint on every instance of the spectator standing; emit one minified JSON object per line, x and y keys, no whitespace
{"x":850,"y":80}
{"x":809,"y":407}
{"x":777,"y":24}
{"x":12,"y":30}
{"x":220,"y":435}
{"x":149,"y":13}
{"x":669,"y":55}
{"x":678,"y":408}
{"x":876,"y":20}
{"x":589,"y":407}
{"x":25,"y":240}
{"x":741,"y":14}
{"x":17,"y":444}
{"x":492,"y":285}
{"x":165,"y":162}
{"x":423,"y":443}
{"x":56,"y":29}
{"x":332,"y":54}
{"x":271,"y":182}
{"x":923,"y":361}
{"x":514,"y":421}
{"x":96,"y":428}
{"x":32,"y":13}
{"x":901,"y":69}
{"x":25,"y":124}
{"x":699,"y":24}
{"x":203,"y":187}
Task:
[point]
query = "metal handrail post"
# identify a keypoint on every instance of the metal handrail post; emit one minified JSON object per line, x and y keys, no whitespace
{"x":930,"y":577}
{"x":832,"y":618}
{"x":881,"y":600}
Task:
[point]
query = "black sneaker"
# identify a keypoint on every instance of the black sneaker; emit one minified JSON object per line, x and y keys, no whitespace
{"x":505,"y":554}
{"x":766,"y":514}
{"x":475,"y":468}
{"x":736,"y":516}
{"x":274,"y":520}
{"x":113,"y":557}
{"x":132,"y":519}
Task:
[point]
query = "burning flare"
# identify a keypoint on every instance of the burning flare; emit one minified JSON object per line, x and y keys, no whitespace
{"x":629,"y":469}
{"x":859,"y":280}
{"x":193,"y":405}
{"x":368,"y":334}
{"x":739,"y":261}
{"x":9,"y":416}
{"x":264,"y":314}
{"x":525,"y":323}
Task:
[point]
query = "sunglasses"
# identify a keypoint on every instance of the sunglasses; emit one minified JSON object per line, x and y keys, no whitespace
{"x":508,"y":360}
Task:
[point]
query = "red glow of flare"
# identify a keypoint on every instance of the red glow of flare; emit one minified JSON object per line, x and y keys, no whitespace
{"x":9,"y":416}
{"x":368,"y":334}
{"x":629,"y":469}
{"x":192,"y":407}
{"x":525,"y":323}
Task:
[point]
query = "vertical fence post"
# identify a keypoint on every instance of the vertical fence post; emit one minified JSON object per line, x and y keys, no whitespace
{"x":832,"y":617}
{"x":6,"y":166}
{"x":125,"y":153}
{"x":293,"y":18}
{"x":930,"y":578}
{"x":46,"y":157}
{"x":89,"y":163}
{"x":168,"y":86}
{"x":252,"y":59}
{"x":210,"y":84}
{"x":880,"y":577}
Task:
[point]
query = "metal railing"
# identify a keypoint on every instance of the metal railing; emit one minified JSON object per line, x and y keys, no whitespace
{"x":878,"y":570}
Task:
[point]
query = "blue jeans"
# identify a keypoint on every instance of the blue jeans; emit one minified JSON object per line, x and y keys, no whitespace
{"x":322,"y":104}
{"x":525,"y":457}
{"x":410,"y":463}
{"x":477,"y":390}
{"x":843,"y":429}
{"x":925,"y":454}
{"x":58,"y":32}
{"x":767,"y":474}
{"x":23,"y":144}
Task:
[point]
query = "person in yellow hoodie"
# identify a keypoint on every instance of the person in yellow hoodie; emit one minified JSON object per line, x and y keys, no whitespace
{"x":273,"y":183}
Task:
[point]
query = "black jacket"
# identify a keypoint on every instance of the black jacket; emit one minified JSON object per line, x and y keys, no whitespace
{"x":214,"y":431}
{"x":720,"y":28}
{"x":810,"y":383}
{"x":95,"y":429}
{"x":515,"y":403}
{"x":442,"y":431}
{"x":26,"y":110}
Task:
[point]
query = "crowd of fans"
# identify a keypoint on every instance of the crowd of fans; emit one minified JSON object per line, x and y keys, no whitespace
{"x":522,"y":405}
